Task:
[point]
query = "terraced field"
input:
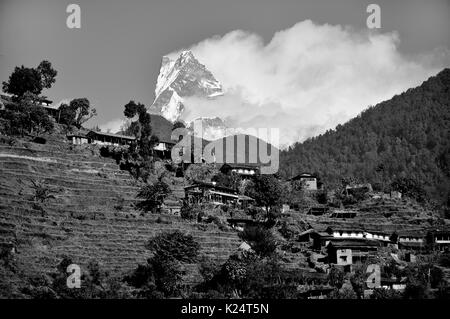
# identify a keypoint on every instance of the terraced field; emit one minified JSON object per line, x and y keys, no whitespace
{"x":90,"y":214}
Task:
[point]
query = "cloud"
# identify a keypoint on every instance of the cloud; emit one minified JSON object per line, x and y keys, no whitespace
{"x":307,"y":78}
{"x":112,"y":126}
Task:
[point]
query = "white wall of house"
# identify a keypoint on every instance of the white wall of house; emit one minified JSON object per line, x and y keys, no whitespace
{"x":161,"y":147}
{"x":79,"y":140}
{"x":344,"y":257}
{"x":310,"y":183}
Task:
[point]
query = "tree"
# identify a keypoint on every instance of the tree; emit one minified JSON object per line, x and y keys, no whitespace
{"x":336,"y":277}
{"x":23,"y":80}
{"x":132,"y":109}
{"x":66,"y":115}
{"x":47,"y":74}
{"x":409,"y":187}
{"x":141,"y":128}
{"x":174,"y":245}
{"x":260,"y":238}
{"x":83,"y":111}
{"x":267,"y":191}
{"x":162,"y":274}
{"x":32,"y":80}
{"x":153,"y":196}
{"x":24,"y":116}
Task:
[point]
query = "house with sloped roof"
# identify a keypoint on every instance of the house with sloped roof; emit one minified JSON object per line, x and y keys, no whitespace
{"x":308,"y":180}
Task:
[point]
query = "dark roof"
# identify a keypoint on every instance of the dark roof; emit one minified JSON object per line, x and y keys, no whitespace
{"x":162,"y":128}
{"x":241,"y":165}
{"x":411,"y":244}
{"x":93,"y":133}
{"x":211,"y":185}
{"x":410,"y":233}
{"x":440,"y":232}
{"x":304,"y":174}
{"x":244,"y":197}
{"x":354,"y":243}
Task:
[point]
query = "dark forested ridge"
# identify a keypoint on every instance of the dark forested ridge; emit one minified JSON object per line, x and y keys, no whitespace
{"x":406,"y":136}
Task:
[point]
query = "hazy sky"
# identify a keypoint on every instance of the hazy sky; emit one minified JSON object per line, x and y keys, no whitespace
{"x":116,"y":54}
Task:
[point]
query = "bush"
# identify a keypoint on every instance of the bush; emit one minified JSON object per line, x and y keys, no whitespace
{"x":174,"y":245}
{"x":260,"y":238}
{"x":444,"y":260}
{"x":410,"y":187}
{"x":41,"y":191}
{"x":190,"y":212}
{"x":153,"y":196}
{"x":322,"y":197}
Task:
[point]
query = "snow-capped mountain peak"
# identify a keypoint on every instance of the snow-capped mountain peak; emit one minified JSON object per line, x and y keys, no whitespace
{"x":179,"y":78}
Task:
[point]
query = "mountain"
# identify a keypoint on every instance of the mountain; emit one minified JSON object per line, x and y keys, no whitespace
{"x":406,"y":136}
{"x":180,"y":78}
{"x":212,"y":128}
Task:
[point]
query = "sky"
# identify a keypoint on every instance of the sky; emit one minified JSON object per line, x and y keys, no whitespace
{"x":303,"y":66}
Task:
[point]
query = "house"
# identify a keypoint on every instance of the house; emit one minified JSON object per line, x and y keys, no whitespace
{"x":355,"y":233}
{"x":410,"y":240}
{"x":78,"y":138}
{"x":341,"y":233}
{"x":204,"y":192}
{"x":309,"y":181}
{"x":377,"y":235}
{"x":394,"y":283}
{"x":102,"y":138}
{"x":439,"y":239}
{"x":243,"y":170}
{"x":240,"y":223}
{"x":318,"y":210}
{"x":348,"y":252}
{"x":319,"y":239}
{"x":396,"y":195}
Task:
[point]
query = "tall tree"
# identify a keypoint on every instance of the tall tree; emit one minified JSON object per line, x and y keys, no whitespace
{"x":83,"y":110}
{"x":32,"y":80}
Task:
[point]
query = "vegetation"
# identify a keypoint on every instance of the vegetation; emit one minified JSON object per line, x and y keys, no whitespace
{"x":407,"y":136}
{"x":25,"y":117}
{"x":260,"y":239}
{"x":409,"y":187}
{"x":161,"y":276}
{"x":153,"y":196}
{"x":41,"y":191}
{"x":267,"y":191}
{"x":77,"y":112}
{"x":141,"y":128}
{"x":32,"y":80}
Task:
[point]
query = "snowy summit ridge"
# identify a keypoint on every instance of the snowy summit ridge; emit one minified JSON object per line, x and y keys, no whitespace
{"x":180,"y":78}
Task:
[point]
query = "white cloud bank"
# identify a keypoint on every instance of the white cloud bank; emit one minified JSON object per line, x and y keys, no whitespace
{"x":308,"y":78}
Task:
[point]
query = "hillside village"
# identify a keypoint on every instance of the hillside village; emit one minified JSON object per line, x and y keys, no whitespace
{"x":146,"y":227}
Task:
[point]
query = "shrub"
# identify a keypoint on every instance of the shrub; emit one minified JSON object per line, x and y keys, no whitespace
{"x":444,"y":260}
{"x":174,"y":245}
{"x":190,"y":212}
{"x":153,"y":196}
{"x":410,"y":187}
{"x":260,"y":238}
{"x":41,"y":191}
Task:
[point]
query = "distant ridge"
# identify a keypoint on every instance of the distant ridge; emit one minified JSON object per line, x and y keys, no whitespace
{"x":406,"y":136}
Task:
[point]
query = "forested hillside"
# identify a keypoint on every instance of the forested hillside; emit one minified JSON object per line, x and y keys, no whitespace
{"x":406,"y":136}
